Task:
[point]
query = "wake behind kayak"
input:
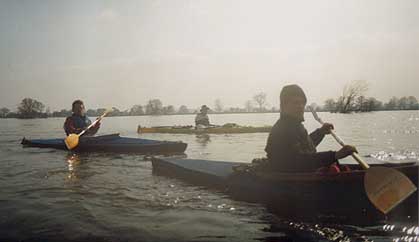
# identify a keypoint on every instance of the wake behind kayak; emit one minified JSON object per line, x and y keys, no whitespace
{"x":112,"y":143}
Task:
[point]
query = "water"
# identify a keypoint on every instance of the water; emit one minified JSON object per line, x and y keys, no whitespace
{"x":52,"y":195}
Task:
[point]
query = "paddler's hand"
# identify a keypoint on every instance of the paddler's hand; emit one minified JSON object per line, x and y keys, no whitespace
{"x":97,"y":125}
{"x":327,"y":128}
{"x":345,"y":151}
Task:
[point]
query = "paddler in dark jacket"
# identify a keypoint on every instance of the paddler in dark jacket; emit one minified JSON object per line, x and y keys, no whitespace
{"x":201,"y":118}
{"x":79,"y":121}
{"x":290,"y":148}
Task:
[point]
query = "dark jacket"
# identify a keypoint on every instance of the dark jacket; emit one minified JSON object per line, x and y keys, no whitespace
{"x":291,"y":149}
{"x":202,"y":119}
{"x":75,"y":124}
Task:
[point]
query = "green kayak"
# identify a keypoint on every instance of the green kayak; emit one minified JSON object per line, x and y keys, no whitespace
{"x":189,"y":129}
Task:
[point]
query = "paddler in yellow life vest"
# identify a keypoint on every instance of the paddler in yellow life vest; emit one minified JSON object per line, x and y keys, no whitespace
{"x":201,"y":119}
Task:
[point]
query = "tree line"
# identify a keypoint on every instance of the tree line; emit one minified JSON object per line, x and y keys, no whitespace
{"x":31,"y":108}
{"x":353,"y":99}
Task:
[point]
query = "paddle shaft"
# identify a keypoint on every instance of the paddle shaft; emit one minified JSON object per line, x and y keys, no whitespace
{"x":385,"y":187}
{"x":94,"y":123}
{"x":340,"y":141}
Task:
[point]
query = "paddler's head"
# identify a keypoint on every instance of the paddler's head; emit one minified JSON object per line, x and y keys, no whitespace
{"x":293,"y":101}
{"x":78,"y":108}
{"x":204,"y":109}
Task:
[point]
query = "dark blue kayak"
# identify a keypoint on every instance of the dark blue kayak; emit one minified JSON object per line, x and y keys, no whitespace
{"x":339,"y":195}
{"x":112,"y":143}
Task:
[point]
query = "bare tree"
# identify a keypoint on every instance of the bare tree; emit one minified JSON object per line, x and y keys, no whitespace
{"x":361,"y":104}
{"x":249,"y":106}
{"x":154,"y":107}
{"x":115,"y":112}
{"x":218,"y":106}
{"x":169,"y":109}
{"x":260,"y":99}
{"x":183,"y":110}
{"x":48,"y":111}
{"x":412,"y":103}
{"x":373,"y":104}
{"x":392,"y":104}
{"x":4,"y":112}
{"x":30,"y":108}
{"x":136,"y":110}
{"x":364,"y":104}
{"x":330,"y":105}
{"x":351,"y":92}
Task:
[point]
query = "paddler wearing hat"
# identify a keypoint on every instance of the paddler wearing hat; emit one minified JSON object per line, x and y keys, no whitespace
{"x":290,"y":148}
{"x":201,"y":118}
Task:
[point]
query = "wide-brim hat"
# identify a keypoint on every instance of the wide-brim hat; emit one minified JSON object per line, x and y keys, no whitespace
{"x":204,"y":107}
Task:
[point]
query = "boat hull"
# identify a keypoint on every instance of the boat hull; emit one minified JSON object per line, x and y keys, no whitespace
{"x":112,"y":143}
{"x":307,"y":195}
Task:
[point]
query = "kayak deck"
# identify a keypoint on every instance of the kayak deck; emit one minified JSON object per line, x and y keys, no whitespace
{"x":111,"y":143}
{"x":293,"y":194}
{"x":210,"y":130}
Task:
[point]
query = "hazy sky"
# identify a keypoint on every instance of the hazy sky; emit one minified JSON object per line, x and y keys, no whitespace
{"x":121,"y":53}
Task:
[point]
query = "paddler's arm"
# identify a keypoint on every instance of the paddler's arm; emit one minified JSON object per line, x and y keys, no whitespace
{"x":285,"y":153}
{"x":298,"y":161}
{"x":318,"y":134}
{"x":93,"y":130}
{"x":313,"y":161}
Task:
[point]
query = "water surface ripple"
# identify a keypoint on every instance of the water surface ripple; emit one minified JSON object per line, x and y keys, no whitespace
{"x":52,"y":195}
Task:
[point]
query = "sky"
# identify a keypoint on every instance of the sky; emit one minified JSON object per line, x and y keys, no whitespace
{"x":192,"y":52}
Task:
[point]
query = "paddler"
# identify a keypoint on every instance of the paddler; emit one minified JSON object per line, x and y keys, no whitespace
{"x":79,"y":121}
{"x":201,"y":119}
{"x":289,"y":147}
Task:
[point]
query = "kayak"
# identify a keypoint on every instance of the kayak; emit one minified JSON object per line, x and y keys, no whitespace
{"x":111,"y":143}
{"x":339,"y":196}
{"x":189,"y":129}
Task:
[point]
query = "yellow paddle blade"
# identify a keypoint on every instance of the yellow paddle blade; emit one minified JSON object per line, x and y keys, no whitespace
{"x":387,"y":187}
{"x":71,"y":141}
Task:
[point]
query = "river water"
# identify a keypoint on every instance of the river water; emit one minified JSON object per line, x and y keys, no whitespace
{"x":53,"y":195}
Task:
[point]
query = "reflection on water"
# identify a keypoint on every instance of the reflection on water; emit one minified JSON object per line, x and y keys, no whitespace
{"x":398,"y":156}
{"x":303,"y":231}
{"x":73,"y":161}
{"x":203,"y":139}
{"x":403,"y":233}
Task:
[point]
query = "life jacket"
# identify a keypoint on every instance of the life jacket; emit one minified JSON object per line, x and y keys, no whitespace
{"x":333,"y":168}
{"x":76,"y":124}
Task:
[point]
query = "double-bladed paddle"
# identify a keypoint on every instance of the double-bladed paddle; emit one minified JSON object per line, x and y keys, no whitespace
{"x":385,"y":187}
{"x":72,"y":140}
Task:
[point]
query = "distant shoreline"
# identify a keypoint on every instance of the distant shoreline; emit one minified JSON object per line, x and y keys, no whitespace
{"x":156,"y":115}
